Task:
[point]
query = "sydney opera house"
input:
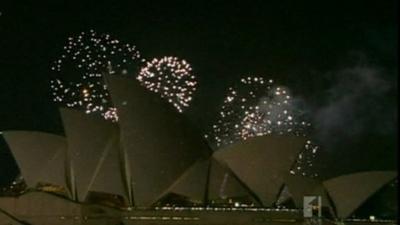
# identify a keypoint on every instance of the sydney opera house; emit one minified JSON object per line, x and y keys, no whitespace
{"x":152,"y":167}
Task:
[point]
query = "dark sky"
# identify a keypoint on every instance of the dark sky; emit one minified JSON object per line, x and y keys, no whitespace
{"x":340,"y":58}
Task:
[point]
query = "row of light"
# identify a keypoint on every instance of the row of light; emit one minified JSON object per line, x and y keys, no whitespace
{"x":186,"y":218}
{"x":371,"y":218}
{"x":237,"y":208}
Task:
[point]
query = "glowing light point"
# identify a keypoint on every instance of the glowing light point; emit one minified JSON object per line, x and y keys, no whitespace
{"x":171,"y":78}
{"x":89,"y":56}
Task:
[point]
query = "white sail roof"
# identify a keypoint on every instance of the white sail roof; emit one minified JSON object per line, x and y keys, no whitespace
{"x":159,"y":145}
{"x":224,"y":185}
{"x":7,"y":219}
{"x":261,"y":162}
{"x":110,"y":177}
{"x":91,"y":141}
{"x":40,"y":156}
{"x":192,"y":184}
{"x":300,"y":186}
{"x":348,"y":192}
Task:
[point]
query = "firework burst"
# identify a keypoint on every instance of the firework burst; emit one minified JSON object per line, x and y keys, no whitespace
{"x":80,"y":68}
{"x":171,"y":78}
{"x":256,"y":107}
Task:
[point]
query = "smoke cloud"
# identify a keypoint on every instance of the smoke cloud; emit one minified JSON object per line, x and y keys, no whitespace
{"x":361,"y":102}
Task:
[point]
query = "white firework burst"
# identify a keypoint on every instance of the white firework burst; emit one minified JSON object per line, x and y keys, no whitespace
{"x":170,"y":77}
{"x":256,"y":107}
{"x":79,"y":71}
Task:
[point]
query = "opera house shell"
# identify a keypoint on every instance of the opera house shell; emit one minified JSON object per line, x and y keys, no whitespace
{"x":132,"y":171}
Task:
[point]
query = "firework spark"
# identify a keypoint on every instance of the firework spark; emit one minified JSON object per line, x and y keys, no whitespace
{"x":80,"y":68}
{"x":304,"y":164}
{"x":258,"y":107}
{"x":171,"y":78}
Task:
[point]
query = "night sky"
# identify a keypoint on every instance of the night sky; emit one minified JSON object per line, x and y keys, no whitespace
{"x":339,"y":58}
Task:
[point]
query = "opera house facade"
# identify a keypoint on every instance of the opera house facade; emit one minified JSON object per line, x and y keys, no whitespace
{"x":153,"y":167}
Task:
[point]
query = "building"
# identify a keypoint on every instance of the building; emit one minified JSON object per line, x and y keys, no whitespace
{"x":145,"y":167}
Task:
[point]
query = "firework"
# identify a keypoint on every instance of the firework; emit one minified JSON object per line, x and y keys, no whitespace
{"x":304,"y":164}
{"x":256,"y":108}
{"x":80,"y":68}
{"x":171,"y":78}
